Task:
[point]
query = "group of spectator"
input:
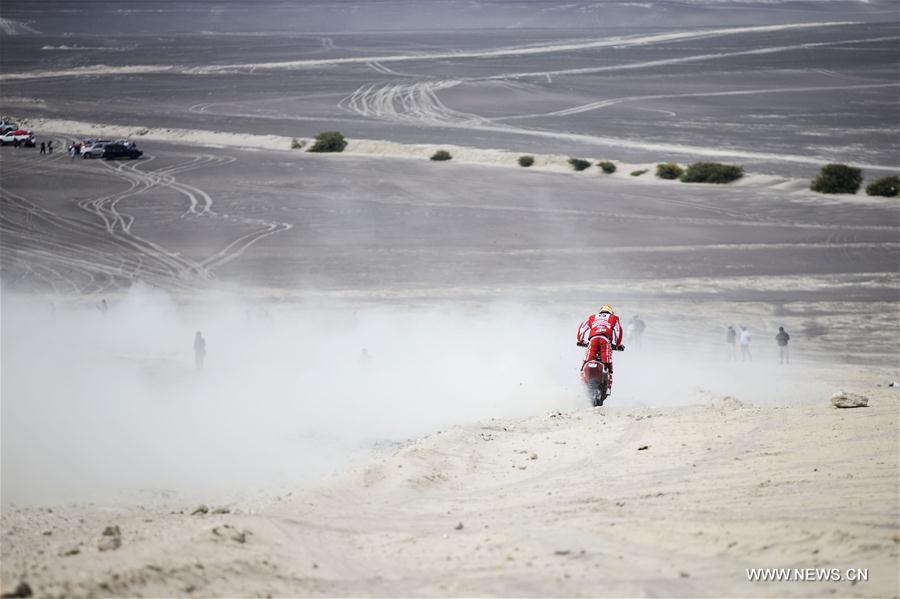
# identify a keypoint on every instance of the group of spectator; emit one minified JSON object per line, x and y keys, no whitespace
{"x":733,"y":339}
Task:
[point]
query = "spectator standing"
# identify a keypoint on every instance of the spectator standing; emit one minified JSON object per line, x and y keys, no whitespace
{"x":745,"y":345}
{"x":731,"y":340}
{"x":43,"y":148}
{"x":50,"y":147}
{"x":639,"y":327}
{"x":782,"y":338}
{"x":199,"y":350}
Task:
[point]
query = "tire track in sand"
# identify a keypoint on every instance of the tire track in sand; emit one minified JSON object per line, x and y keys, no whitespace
{"x":88,"y":256}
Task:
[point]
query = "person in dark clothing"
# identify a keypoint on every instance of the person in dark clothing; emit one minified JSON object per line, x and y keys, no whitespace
{"x":731,"y":340}
{"x":782,"y":338}
{"x":199,"y":350}
{"x":43,"y":148}
{"x":50,"y":147}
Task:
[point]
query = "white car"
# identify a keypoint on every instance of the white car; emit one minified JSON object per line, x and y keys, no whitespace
{"x":94,"y":149}
{"x":23,"y":136}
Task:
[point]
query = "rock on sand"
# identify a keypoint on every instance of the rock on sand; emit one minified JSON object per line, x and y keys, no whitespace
{"x":844,"y":399}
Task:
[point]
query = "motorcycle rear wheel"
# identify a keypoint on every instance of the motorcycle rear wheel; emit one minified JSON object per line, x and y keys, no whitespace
{"x":597,"y":394}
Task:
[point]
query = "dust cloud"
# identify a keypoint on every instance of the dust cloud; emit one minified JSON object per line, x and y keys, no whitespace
{"x":98,"y":402}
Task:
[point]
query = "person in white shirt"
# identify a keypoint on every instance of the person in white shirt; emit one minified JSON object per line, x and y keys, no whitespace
{"x":745,"y":345}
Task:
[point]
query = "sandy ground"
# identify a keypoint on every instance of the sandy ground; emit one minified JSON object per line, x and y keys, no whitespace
{"x":780,"y":98}
{"x":609,"y":501}
{"x":695,"y":471}
{"x":771,"y":479}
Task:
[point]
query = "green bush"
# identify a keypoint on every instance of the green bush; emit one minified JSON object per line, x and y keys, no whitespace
{"x":526,"y":161}
{"x":837,"y":178}
{"x":329,"y":141}
{"x":607,"y":166}
{"x":296,"y":144}
{"x":885,"y":186}
{"x":579,"y":164}
{"x":441,"y":155}
{"x":712,"y":172}
{"x":638,"y":173}
{"x":668,"y":170}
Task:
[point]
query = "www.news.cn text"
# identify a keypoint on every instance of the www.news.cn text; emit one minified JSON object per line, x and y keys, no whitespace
{"x":807,"y":574}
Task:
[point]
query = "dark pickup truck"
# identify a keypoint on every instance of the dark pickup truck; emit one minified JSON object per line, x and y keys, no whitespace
{"x":113,"y":151}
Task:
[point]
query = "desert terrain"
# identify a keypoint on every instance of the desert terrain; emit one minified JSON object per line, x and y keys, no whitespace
{"x":389,"y":403}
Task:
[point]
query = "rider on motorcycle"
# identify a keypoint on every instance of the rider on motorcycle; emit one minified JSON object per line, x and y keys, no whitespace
{"x":601,"y":333}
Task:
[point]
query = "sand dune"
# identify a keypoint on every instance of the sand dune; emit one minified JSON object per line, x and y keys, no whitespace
{"x":605,"y":502}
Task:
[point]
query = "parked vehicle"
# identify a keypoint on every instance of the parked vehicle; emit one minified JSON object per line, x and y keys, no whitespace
{"x":93,"y":149}
{"x":22,"y":136}
{"x":120,"y":150}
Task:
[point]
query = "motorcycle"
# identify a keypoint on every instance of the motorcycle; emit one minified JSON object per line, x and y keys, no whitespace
{"x":595,"y":374}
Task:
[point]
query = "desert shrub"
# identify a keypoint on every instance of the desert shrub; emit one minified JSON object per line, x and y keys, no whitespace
{"x":837,"y":178}
{"x":712,"y":172}
{"x":296,"y":144}
{"x":638,"y":173}
{"x":607,"y":166}
{"x":329,"y":141}
{"x":668,"y":170}
{"x":526,"y":161}
{"x":579,"y":164}
{"x":441,"y":155}
{"x":885,"y":186}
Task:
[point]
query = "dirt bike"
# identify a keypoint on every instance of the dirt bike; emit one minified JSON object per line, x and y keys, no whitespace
{"x":595,"y":376}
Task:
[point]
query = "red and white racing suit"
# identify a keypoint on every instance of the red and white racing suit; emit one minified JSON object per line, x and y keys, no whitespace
{"x":601,"y":332}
